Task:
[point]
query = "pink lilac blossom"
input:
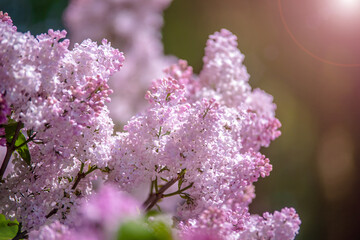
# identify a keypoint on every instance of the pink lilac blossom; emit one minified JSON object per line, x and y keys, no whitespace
{"x":203,"y":135}
{"x":98,"y":218}
{"x":59,"y":94}
{"x":53,"y":231}
{"x":217,"y":224}
{"x":221,"y":223}
{"x":226,"y":79}
{"x":208,"y":128}
{"x":278,"y":226}
{"x":133,"y":26}
{"x":201,"y":132}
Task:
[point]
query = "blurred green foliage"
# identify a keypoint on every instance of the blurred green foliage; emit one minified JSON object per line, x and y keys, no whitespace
{"x":36,"y":16}
{"x":8,"y":228}
{"x":145,"y":230}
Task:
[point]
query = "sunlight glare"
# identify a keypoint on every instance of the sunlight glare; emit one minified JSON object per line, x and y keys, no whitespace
{"x":349,"y":5}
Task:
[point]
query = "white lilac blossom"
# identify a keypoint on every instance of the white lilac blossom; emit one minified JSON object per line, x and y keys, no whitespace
{"x":134,"y":26}
{"x":199,"y":139}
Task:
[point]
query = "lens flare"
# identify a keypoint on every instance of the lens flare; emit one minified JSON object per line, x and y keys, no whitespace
{"x":337,"y":21}
{"x":348,"y":5}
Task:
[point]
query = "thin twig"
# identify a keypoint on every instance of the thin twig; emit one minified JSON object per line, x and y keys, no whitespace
{"x":26,"y":142}
{"x":178,"y":191}
{"x":10,"y":148}
{"x":52,"y":212}
{"x":79,"y":176}
{"x":154,"y":198}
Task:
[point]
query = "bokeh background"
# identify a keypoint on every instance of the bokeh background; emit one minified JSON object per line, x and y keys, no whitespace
{"x":306,"y":54}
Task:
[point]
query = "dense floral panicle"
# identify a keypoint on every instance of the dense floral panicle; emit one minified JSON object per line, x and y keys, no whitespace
{"x":133,"y":26}
{"x":55,"y":168}
{"x":202,"y":133}
{"x":223,"y":71}
{"x":221,"y":222}
{"x":207,"y":131}
{"x":230,"y":223}
{"x":174,"y":134}
{"x":47,"y":83}
{"x":225,"y":78}
{"x":43,"y":72}
{"x":225,"y":180}
{"x":60,"y":95}
{"x":282,"y":225}
{"x":262,"y":124}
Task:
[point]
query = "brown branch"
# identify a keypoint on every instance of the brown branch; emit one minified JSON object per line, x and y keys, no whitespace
{"x":155,"y":197}
{"x":77,"y":180}
{"x":52,"y":212}
{"x":10,"y":148}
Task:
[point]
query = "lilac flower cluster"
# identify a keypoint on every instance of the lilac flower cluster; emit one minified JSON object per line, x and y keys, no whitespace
{"x":205,"y":133}
{"x":134,"y":26}
{"x":60,"y":95}
{"x":198,"y":140}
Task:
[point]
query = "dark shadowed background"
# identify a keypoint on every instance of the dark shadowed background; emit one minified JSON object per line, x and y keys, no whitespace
{"x":306,"y":54}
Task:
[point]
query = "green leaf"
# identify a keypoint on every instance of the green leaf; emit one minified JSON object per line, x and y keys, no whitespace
{"x":8,"y":228}
{"x":149,"y":230}
{"x":152,"y":213}
{"x":10,"y":129}
{"x":23,"y":151}
{"x":135,"y":231}
{"x":161,"y":230}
